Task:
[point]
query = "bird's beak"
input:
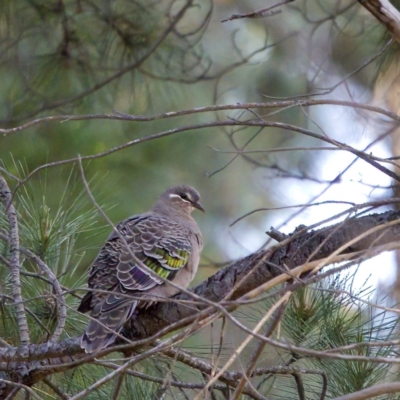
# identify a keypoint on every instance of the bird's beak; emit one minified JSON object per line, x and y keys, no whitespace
{"x":198,"y":206}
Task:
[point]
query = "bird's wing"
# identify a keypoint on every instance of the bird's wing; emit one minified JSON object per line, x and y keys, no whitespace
{"x":162,"y":245}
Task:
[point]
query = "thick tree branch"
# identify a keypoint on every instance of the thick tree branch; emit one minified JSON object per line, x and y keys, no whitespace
{"x":386,"y":13}
{"x":295,"y":253}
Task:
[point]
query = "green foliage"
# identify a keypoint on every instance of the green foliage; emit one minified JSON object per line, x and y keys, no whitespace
{"x":326,"y":316}
{"x":132,"y":388}
{"x":57,"y":235}
{"x":64,"y":49}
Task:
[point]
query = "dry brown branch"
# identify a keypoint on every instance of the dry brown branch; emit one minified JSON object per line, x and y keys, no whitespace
{"x":373,"y":391}
{"x":59,"y":296}
{"x":52,"y":280}
{"x":386,"y":13}
{"x":283,"y":104}
{"x":264,"y":12}
{"x":232,"y":378}
{"x":56,"y":389}
{"x":15,"y":268}
{"x":19,"y":386}
{"x":229,"y":378}
{"x":283,"y":300}
{"x":251,"y":366}
{"x":368,"y":158}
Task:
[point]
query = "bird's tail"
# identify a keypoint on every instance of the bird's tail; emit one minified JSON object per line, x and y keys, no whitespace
{"x":108,"y":318}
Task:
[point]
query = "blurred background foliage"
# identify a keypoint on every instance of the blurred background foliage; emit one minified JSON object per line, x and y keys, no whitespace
{"x":79,"y":57}
{"x":87,"y":57}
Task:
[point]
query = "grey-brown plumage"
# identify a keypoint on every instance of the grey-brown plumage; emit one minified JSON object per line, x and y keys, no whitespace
{"x":166,"y":239}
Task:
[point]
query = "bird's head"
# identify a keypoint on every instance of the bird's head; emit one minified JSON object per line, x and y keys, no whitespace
{"x":181,"y":199}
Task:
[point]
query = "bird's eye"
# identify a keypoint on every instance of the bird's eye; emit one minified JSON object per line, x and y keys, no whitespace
{"x":184,"y":196}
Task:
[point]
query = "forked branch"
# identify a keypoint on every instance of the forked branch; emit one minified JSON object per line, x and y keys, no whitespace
{"x":15,"y":268}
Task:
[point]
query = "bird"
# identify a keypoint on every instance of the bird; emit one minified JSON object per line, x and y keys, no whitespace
{"x":166,"y":239}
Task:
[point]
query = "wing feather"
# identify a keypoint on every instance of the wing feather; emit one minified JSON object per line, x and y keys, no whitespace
{"x":161,"y":244}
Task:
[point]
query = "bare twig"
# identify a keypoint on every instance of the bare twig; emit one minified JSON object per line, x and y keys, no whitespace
{"x":386,"y":13}
{"x":52,"y":280}
{"x":264,"y":12}
{"x":15,"y":268}
{"x":161,"y":381}
{"x":118,"y":386}
{"x":250,"y":123}
{"x":154,"y":350}
{"x":237,"y":351}
{"x":282,"y":104}
{"x":21,"y":386}
{"x":257,"y":353}
{"x":373,"y":391}
{"x":59,"y":296}
{"x":312,"y":266}
{"x":228,"y":377}
{"x":56,"y":389}
{"x":294,"y":206}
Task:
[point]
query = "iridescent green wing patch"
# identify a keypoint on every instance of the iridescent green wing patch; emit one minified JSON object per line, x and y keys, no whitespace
{"x":155,"y":266}
{"x":175,"y":261}
{"x":161,"y":244}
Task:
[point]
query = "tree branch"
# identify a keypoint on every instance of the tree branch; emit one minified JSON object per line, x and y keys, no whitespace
{"x":373,"y":391}
{"x":294,"y":253}
{"x":386,"y":13}
{"x":15,"y":269}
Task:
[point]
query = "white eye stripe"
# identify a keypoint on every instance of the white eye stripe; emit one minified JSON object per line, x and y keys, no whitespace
{"x":171,"y":195}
